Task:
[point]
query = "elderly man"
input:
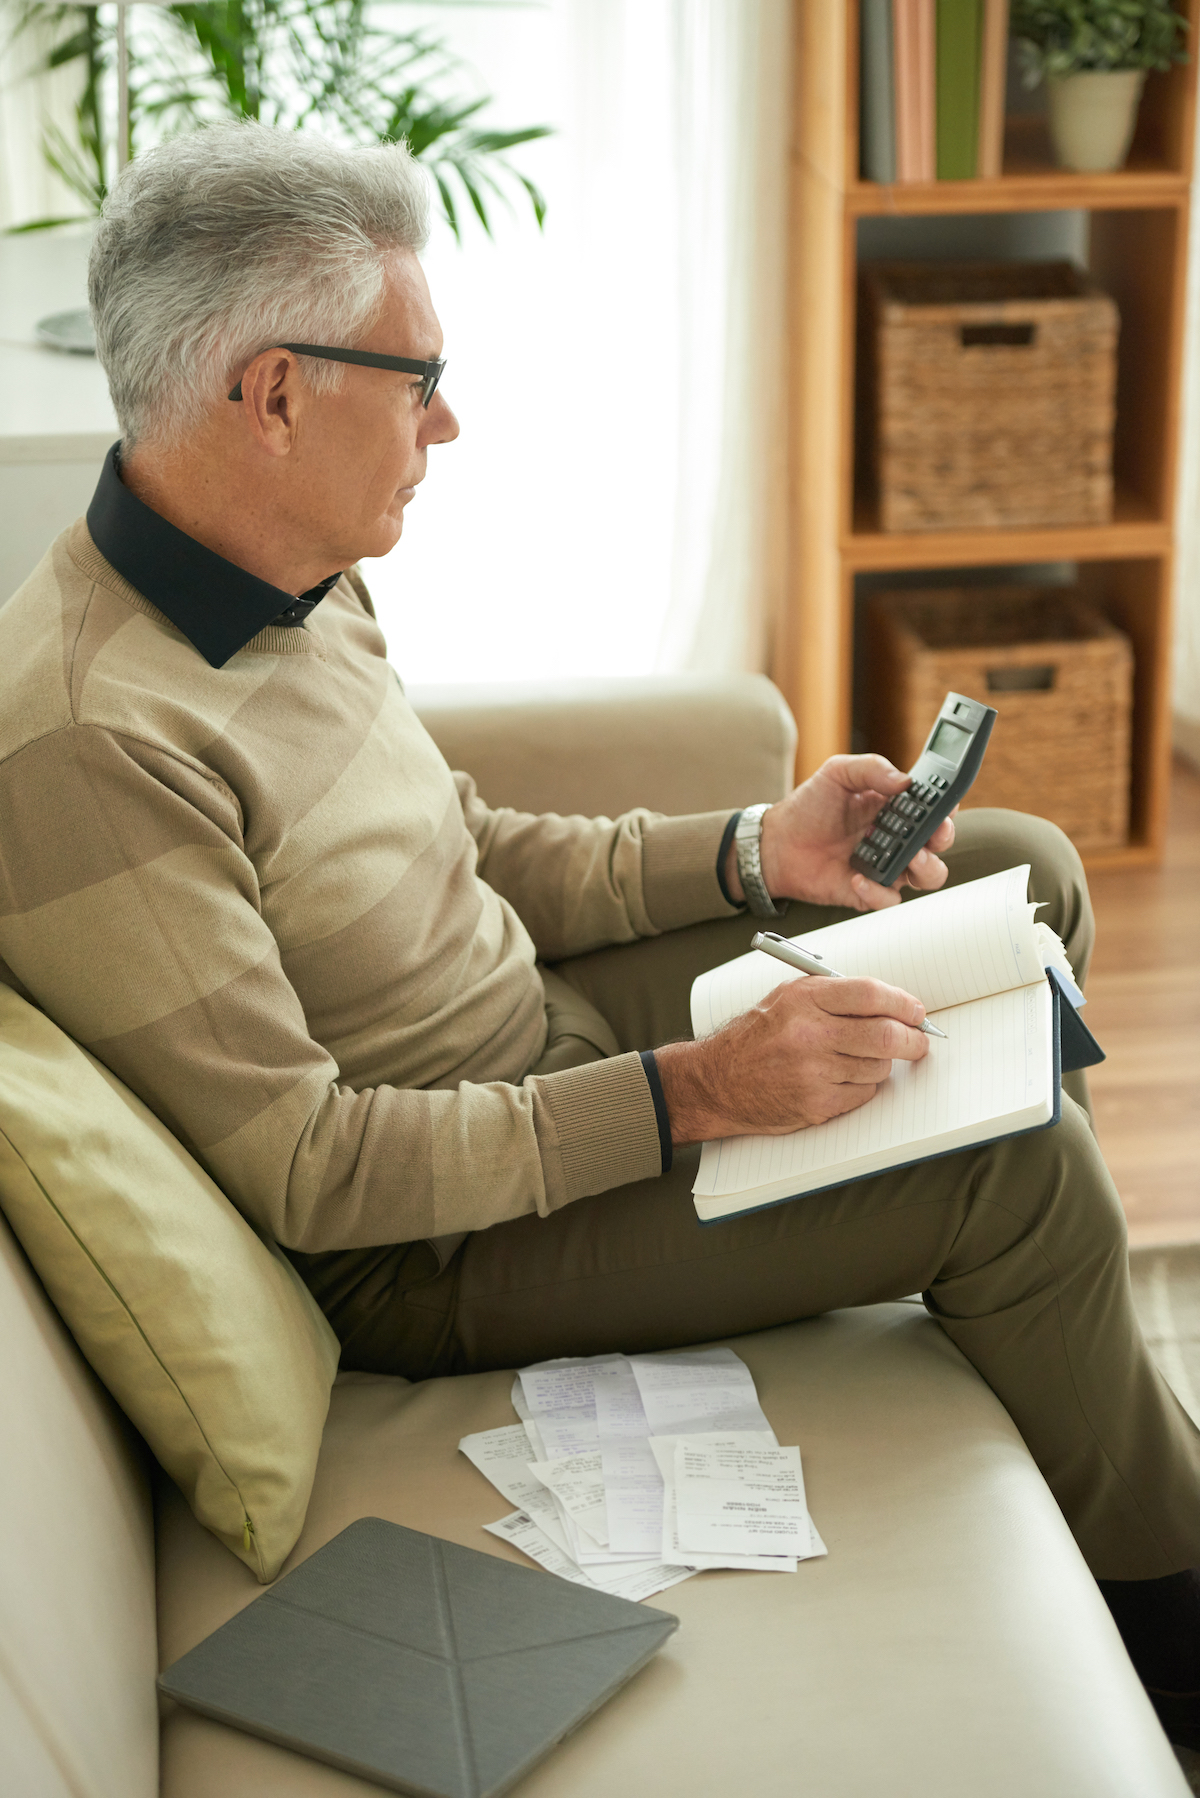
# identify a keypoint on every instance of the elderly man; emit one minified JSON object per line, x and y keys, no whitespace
{"x":238,"y":870}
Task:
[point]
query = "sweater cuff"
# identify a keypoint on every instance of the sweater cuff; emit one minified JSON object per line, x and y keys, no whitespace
{"x":679,"y":870}
{"x":662,"y":1115}
{"x":722,"y":859}
{"x":597,"y":1127}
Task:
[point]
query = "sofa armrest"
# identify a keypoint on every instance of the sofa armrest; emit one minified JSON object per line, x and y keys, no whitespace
{"x":676,"y":743}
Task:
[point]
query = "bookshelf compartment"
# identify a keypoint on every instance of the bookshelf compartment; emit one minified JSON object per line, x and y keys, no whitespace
{"x":1059,"y":674}
{"x":1132,"y":594}
{"x":1136,"y":257}
{"x":1159,"y":156}
{"x":989,"y":395}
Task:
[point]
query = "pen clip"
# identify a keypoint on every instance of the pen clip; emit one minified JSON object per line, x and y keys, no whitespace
{"x":773,"y":936}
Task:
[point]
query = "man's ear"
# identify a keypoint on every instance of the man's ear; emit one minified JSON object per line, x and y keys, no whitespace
{"x":271,"y":400}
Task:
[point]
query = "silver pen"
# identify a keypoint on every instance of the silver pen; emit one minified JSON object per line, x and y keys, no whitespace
{"x":809,"y":963}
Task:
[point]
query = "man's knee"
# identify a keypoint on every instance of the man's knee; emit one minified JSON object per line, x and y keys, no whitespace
{"x":1050,"y":1192}
{"x":1074,"y":1208}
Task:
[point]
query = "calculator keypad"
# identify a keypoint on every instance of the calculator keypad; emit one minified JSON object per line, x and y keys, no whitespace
{"x":905,"y":816}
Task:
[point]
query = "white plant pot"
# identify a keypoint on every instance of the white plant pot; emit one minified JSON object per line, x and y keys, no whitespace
{"x":1092,"y":116}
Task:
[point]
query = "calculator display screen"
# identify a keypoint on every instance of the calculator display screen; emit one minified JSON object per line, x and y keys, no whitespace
{"x":948,"y":740}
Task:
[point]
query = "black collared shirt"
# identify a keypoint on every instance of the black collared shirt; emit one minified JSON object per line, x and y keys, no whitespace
{"x":216,"y":604}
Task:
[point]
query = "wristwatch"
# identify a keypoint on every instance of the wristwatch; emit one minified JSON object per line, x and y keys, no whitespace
{"x":748,"y":844}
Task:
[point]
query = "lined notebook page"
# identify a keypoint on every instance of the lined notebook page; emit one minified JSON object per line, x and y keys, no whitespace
{"x":947,"y":948}
{"x":996,"y":1066}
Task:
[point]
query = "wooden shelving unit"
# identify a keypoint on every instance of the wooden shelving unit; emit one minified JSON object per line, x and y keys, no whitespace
{"x":1138,"y":221}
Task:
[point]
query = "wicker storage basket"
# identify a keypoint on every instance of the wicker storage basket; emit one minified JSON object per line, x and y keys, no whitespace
{"x":1058,"y":673}
{"x":990,"y":390}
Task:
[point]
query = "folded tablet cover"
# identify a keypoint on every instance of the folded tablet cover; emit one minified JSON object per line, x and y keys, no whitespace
{"x":430,"y":1668}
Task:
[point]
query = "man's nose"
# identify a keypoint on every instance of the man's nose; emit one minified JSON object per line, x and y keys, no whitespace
{"x":441,"y":425}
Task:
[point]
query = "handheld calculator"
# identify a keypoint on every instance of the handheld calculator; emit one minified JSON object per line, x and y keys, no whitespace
{"x":941,"y":774}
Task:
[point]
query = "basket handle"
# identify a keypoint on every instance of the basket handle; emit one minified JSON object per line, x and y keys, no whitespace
{"x":1020,"y":337}
{"x":1021,"y":680}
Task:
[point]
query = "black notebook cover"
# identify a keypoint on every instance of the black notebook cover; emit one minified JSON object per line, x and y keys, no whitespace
{"x":1079,"y":1047}
{"x":430,"y":1668}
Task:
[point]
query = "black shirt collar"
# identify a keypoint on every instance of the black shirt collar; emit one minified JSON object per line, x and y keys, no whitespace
{"x":216,"y":604}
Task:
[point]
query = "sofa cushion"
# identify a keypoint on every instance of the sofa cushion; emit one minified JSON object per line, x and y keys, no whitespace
{"x":77,"y":1626}
{"x":207,"y":1338}
{"x":675,"y":743}
{"x":952,"y":1642}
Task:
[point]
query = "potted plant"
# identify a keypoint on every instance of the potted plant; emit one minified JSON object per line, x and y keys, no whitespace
{"x":1093,"y":56}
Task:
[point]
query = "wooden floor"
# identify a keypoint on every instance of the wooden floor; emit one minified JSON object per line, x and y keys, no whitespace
{"x":1144,"y":1007}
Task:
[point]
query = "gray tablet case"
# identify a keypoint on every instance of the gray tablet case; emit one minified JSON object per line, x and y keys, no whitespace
{"x":429,"y":1668}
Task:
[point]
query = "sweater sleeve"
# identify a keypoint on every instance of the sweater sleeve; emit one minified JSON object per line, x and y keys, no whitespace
{"x":580,"y":883}
{"x":130,"y":911}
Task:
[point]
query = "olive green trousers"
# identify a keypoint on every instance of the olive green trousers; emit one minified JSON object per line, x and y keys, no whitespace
{"x":1019,"y":1249}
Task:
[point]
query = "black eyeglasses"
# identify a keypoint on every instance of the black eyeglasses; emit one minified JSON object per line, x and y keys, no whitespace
{"x":430,"y":372}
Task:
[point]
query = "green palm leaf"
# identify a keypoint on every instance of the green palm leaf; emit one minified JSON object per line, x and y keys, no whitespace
{"x":289,"y":63}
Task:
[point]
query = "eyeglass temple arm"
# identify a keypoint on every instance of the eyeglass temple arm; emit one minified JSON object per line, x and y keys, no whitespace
{"x":362,"y":358}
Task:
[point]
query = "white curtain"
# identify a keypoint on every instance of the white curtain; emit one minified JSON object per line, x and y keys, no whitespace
{"x":1187,"y":583}
{"x":614,"y":503}
{"x":29,"y":189}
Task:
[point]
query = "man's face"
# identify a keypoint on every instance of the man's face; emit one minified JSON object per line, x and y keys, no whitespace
{"x":360,"y":453}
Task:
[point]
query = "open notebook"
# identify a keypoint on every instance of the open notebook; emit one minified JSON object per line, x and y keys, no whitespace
{"x":997,"y":982}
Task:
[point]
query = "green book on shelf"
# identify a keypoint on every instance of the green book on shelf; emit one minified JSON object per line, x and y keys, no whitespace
{"x":959,"y":34}
{"x":877,"y":130}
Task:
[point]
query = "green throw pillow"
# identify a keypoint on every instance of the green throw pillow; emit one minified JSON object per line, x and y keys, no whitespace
{"x":206,"y":1336}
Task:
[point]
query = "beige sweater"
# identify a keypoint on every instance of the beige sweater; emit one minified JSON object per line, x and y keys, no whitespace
{"x":259,"y":895}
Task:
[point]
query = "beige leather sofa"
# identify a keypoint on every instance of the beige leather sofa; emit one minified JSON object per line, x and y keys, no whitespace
{"x":952,"y":1645}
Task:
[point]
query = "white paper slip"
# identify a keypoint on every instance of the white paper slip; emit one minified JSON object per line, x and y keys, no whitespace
{"x":578,"y":1484}
{"x":523,"y":1533}
{"x":558,"y":1398}
{"x":488,"y":1448}
{"x":502,"y":1456}
{"x":536,"y":1446}
{"x":633,"y":1494}
{"x":618,"y":1402}
{"x":674,"y":1556}
{"x":745,"y":1498}
{"x":640,"y":1580}
{"x":570,"y":1431}
{"x":690,"y":1394}
{"x":559,"y":1385}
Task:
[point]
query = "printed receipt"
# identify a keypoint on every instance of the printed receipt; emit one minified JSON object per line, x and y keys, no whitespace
{"x":740,"y":1497}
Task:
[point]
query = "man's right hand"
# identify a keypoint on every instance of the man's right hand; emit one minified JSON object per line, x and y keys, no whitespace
{"x":811,"y":1050}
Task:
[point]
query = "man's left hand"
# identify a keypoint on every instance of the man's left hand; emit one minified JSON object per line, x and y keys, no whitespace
{"x":807,"y":839}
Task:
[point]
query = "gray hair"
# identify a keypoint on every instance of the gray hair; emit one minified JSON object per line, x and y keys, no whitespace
{"x":220,"y":243}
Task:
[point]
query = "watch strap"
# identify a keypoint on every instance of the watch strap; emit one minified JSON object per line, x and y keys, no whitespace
{"x":747,"y":840}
